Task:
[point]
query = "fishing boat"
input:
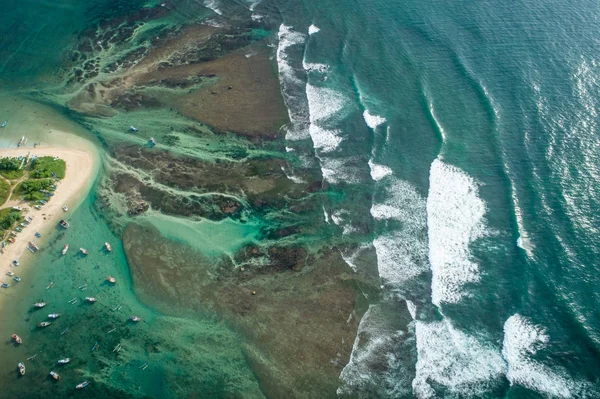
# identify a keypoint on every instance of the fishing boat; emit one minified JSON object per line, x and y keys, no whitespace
{"x":83,"y":385}
{"x":90,"y":299}
{"x":17,"y":279}
{"x":152,"y":141}
{"x":64,"y":224}
{"x":111,"y":279}
{"x":107,"y":247}
{"x":117,"y":348}
{"x":38,"y":207}
{"x":10,"y":274}
{"x":38,"y":234}
{"x":43,"y":202}
{"x":43,"y":324}
{"x":96,"y":345}
{"x":83,"y":251}
{"x":4,"y":123}
{"x":21,"y":367}
{"x":55,"y":375}
{"x":11,"y":240}
{"x":39,"y":305}
{"x":64,"y":208}
{"x":17,"y":339}
{"x":135,"y":319}
{"x":33,"y":246}
{"x":16,"y":262}
{"x":65,"y":249}
{"x":21,"y":142}
{"x":133,"y":128}
{"x":4,"y":285}
{"x":54,"y":315}
{"x":64,"y":361}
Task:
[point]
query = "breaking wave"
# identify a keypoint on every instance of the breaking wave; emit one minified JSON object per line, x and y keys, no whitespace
{"x":455,"y":219}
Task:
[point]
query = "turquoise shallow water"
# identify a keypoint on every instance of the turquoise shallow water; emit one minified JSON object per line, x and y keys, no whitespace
{"x":459,"y":142}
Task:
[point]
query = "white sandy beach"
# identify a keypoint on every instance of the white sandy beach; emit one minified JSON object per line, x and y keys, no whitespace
{"x":80,"y":173}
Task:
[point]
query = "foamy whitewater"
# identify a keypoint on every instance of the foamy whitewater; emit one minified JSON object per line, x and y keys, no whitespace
{"x":455,"y":219}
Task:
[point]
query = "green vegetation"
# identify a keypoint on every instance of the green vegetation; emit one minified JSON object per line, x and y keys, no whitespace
{"x":43,"y":167}
{"x":4,"y":191}
{"x":8,"y":218}
{"x":30,"y":190}
{"x":9,"y":168}
{"x":171,"y":139}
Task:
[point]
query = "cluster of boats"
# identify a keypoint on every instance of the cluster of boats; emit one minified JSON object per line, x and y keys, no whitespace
{"x":55,"y":376}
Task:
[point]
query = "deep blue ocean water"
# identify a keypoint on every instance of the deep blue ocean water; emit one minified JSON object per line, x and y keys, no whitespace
{"x":464,"y":137}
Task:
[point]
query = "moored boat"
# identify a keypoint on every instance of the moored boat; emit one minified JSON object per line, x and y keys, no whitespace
{"x":54,"y":315}
{"x":107,"y":247}
{"x":65,"y":249}
{"x":42,"y":324}
{"x":21,"y":367}
{"x":64,"y":361}
{"x":64,"y":224}
{"x":111,"y":279}
{"x":83,"y":251}
{"x":135,"y":319}
{"x":83,"y":385}
{"x":10,"y":274}
{"x":17,"y":339}
{"x":17,"y":279}
{"x":21,"y":142}
{"x":4,"y":285}
{"x":64,"y":208}
{"x":4,"y":124}
{"x":39,"y":305}
{"x":90,"y":299}
{"x":55,"y":375}
{"x":33,"y":246}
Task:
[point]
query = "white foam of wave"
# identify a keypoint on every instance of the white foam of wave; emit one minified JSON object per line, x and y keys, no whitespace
{"x":373,"y":120}
{"x":315,"y":67}
{"x":291,"y":81}
{"x":464,"y":365}
{"x":313,"y":29}
{"x":342,"y":218}
{"x":373,"y":351}
{"x":338,"y":170}
{"x":522,"y":339}
{"x":326,"y":215}
{"x":412,"y":309}
{"x":455,"y":219}
{"x":350,"y":256}
{"x":323,"y":103}
{"x":323,"y":139}
{"x":402,"y":253}
{"x":378,"y":172}
{"x":213,"y":5}
{"x":257,"y":17}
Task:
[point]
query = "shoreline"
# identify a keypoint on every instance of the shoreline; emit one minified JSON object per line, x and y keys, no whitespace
{"x":80,"y":174}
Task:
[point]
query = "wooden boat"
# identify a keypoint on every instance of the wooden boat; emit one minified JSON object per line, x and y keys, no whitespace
{"x":90,"y":299}
{"x":83,"y":385}
{"x":4,"y":285}
{"x":107,"y":247}
{"x":55,"y":375}
{"x":64,"y":361}
{"x":10,"y":274}
{"x":135,"y":319}
{"x":39,"y":305}
{"x":65,"y":249}
{"x":17,"y":339}
{"x":111,"y":279}
{"x":43,"y":324}
{"x":83,"y":251}
{"x":21,"y":367}
{"x":17,"y":279}
{"x":64,"y":224}
{"x":54,"y":315}
{"x":33,"y":247}
{"x":64,"y":208}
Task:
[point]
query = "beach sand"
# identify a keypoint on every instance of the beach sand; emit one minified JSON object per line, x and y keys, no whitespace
{"x":80,"y":174}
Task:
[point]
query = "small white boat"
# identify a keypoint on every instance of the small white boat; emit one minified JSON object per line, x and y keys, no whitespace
{"x":54,"y":315}
{"x":111,"y":279}
{"x":17,"y":279}
{"x":64,"y":224}
{"x":43,"y":324}
{"x":15,"y":262}
{"x":83,"y":385}
{"x":33,"y":247}
{"x":21,"y":142}
{"x":107,"y":247}
{"x":4,"y":124}
{"x":64,"y":361}
{"x":133,"y":128}
{"x":38,"y":207}
{"x":135,"y":319}
{"x":21,"y":367}
{"x":83,"y":251}
{"x":39,"y":305}
{"x":4,"y":285}
{"x":55,"y":375}
{"x":17,"y":339}
{"x":90,"y":299}
{"x":65,"y":249}
{"x":152,"y":141}
{"x":64,"y":208}
{"x":10,"y":274}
